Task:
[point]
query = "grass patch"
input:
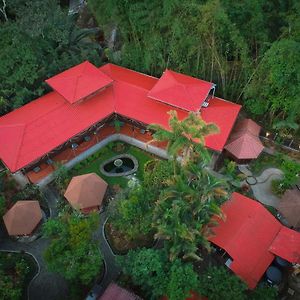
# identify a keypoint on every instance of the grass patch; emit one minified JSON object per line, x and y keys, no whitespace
{"x":92,"y":163}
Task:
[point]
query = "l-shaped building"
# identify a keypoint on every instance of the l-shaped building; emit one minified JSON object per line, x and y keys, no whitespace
{"x":86,"y":100}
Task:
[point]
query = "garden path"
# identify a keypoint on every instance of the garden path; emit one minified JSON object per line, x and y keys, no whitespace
{"x":112,"y":271}
{"x":261,"y":185}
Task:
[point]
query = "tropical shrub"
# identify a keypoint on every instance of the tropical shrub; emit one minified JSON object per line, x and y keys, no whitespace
{"x":217,"y":283}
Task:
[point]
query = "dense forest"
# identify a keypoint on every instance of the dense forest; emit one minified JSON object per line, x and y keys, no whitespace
{"x":250,"y":49}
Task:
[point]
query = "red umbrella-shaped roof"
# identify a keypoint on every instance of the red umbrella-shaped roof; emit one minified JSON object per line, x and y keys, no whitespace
{"x":181,"y":91}
{"x":86,"y":191}
{"x":244,"y":142}
{"x":23,"y":217}
{"x":79,"y":82}
{"x":115,"y":292}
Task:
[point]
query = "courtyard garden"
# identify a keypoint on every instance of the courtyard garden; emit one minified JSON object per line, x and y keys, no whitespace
{"x":92,"y":164}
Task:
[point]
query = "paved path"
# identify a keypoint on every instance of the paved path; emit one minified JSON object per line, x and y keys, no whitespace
{"x":112,"y":271}
{"x":261,"y":185}
{"x":52,"y":198}
{"x":46,"y":285}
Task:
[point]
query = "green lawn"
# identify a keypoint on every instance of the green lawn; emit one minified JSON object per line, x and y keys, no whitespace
{"x":92,"y":163}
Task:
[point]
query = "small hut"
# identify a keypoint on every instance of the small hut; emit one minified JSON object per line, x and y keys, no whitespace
{"x":23,"y":217}
{"x":289,"y":207}
{"x":86,"y":192}
{"x":244,"y":144}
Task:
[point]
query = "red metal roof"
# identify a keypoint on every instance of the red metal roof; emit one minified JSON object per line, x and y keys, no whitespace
{"x":35,"y":129}
{"x":246,"y":235}
{"x":79,"y":82}
{"x":252,"y":236}
{"x":181,"y":91}
{"x":244,"y":142}
{"x":287,"y":245}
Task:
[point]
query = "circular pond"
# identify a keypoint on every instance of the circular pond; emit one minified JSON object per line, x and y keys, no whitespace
{"x":120,"y":165}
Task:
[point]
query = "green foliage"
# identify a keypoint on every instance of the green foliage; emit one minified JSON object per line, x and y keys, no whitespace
{"x":38,"y":41}
{"x":184,"y":208}
{"x":156,"y":173}
{"x":29,"y":192}
{"x":274,"y":91}
{"x":2,"y":205}
{"x":291,"y":173}
{"x":13,"y":272}
{"x":182,"y":135}
{"x":61,"y":177}
{"x":72,"y":251}
{"x":217,"y":283}
{"x":263,"y":292}
{"x":133,"y":213}
{"x":151,"y":270}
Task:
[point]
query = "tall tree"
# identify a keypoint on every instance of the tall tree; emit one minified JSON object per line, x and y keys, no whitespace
{"x":72,"y":251}
{"x":151,"y":270}
{"x":38,"y":40}
{"x":186,"y":136}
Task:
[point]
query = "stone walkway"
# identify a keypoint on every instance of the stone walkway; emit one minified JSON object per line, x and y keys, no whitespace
{"x":261,"y":185}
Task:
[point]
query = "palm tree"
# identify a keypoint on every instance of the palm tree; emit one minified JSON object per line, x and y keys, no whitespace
{"x":184,"y":210}
{"x":186,"y":137}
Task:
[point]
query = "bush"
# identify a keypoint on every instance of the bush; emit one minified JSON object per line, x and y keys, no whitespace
{"x":2,"y":206}
{"x":277,"y":187}
{"x":217,"y":283}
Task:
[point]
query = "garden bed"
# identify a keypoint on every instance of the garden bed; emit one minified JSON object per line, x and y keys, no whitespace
{"x":19,"y":269}
{"x":120,"y":245}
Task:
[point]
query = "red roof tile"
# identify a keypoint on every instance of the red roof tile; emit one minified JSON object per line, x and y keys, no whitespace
{"x":79,"y":82}
{"x":181,"y":91}
{"x":35,"y":129}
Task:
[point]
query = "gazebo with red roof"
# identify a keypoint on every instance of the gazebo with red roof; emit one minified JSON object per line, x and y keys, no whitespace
{"x":86,"y":192}
{"x":244,"y":143}
{"x":252,"y":237}
{"x":23,"y":217}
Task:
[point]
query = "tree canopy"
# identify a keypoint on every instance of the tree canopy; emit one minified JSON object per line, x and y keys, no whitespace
{"x":38,"y":40}
{"x":157,"y":276}
{"x":72,"y":251}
